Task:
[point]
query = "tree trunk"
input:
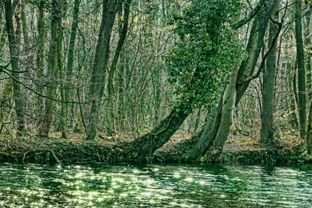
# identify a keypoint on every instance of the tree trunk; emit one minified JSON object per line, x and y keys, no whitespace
{"x":70,"y":59}
{"x":246,"y":70}
{"x":61,"y":70}
{"x":309,"y":134}
{"x":24,"y":26}
{"x":40,"y":55}
{"x":52,"y":69}
{"x":267,"y":130}
{"x":121,"y":96}
{"x":143,"y":147}
{"x":14,"y":44}
{"x":301,"y":70}
{"x":3,"y":37}
{"x":97,"y":83}
{"x":308,"y":55}
{"x":5,"y":94}
{"x":110,"y":127}
{"x":226,"y":121}
{"x":41,"y":41}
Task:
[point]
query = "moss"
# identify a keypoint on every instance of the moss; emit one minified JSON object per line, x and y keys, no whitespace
{"x":263,"y":156}
{"x":305,"y":158}
{"x":50,"y":150}
{"x":70,"y":151}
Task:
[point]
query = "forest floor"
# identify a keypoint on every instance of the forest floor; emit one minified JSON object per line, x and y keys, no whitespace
{"x":75,"y":149}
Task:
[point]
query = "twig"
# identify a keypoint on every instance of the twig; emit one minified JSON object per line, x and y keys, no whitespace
{"x":55,"y":157}
{"x":24,"y":156}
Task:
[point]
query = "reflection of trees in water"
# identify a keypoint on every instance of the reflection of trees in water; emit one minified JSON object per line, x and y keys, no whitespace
{"x":155,"y":186}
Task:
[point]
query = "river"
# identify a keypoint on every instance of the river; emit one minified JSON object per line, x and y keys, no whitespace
{"x":120,"y":186}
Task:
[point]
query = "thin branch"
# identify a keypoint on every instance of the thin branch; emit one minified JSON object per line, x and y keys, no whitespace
{"x":39,"y":94}
{"x":280,"y":26}
{"x":249,"y":17}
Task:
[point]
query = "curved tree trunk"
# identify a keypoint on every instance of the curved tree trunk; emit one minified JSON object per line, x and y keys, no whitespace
{"x":207,"y":137}
{"x":143,"y":147}
{"x":226,"y":121}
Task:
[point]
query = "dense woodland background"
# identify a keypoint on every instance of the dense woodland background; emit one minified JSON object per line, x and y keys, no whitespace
{"x":147,"y":69}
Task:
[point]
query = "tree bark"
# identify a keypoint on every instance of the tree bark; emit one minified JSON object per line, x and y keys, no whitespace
{"x":52,"y":70}
{"x":41,"y":39}
{"x":61,"y":70}
{"x":246,"y":70}
{"x":40,"y":55}
{"x":301,"y":70}
{"x":70,"y":60}
{"x":110,"y":127}
{"x":309,"y":133}
{"x":14,"y":44}
{"x":226,"y":121}
{"x":267,"y":129}
{"x":308,"y":55}
{"x":97,"y":83}
{"x":143,"y":147}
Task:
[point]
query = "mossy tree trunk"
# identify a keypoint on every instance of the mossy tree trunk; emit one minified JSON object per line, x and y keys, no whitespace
{"x":40,"y":56}
{"x":208,"y":135}
{"x":267,"y":125}
{"x":226,"y":121}
{"x":5,"y":94}
{"x":309,"y":133}
{"x":308,"y":42}
{"x":301,"y":69}
{"x":70,"y":61}
{"x":14,"y":45}
{"x":144,"y":147}
{"x":110,"y":118}
{"x":61,"y":73}
{"x":97,"y":82}
{"x":52,"y":69}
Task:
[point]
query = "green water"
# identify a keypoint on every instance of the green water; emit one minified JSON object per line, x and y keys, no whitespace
{"x":154,"y":186}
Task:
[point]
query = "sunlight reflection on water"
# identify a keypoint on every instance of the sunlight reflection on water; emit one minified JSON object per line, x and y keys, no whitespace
{"x":154,"y":186}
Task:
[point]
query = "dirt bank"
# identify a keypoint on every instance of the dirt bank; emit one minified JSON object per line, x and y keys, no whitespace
{"x":76,"y":149}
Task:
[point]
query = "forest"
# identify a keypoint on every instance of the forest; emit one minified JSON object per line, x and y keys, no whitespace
{"x":130,"y":75}
{"x":155,"y":103}
{"x":144,"y":80}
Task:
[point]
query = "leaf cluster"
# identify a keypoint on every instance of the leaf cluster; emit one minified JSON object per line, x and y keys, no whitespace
{"x":207,"y":50}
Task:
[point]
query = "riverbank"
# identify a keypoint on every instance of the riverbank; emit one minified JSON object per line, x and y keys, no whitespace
{"x":75,"y":149}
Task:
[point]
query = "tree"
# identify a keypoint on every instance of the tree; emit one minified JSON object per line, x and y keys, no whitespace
{"x":301,"y":70}
{"x":97,"y":82}
{"x":70,"y":59}
{"x":308,"y":139}
{"x":14,"y":45}
{"x":245,"y":73}
{"x":198,"y":65}
{"x":53,"y":67}
{"x":269,"y":72}
{"x":111,"y":75}
{"x":40,"y":56}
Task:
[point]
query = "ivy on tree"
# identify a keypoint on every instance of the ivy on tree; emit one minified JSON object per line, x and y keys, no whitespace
{"x":207,"y":49}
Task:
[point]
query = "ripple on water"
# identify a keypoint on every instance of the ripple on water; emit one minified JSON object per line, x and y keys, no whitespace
{"x":154,"y":186}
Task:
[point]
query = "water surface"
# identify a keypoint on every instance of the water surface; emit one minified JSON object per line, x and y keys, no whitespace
{"x":154,"y":186}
